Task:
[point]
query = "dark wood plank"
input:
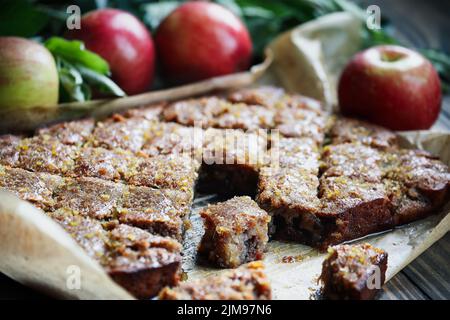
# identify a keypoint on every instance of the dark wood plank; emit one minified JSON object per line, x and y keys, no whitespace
{"x":401,"y":288}
{"x":431,"y":270}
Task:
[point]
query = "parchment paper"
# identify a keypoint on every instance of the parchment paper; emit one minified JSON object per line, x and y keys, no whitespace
{"x":298,"y":280}
{"x":37,"y":252}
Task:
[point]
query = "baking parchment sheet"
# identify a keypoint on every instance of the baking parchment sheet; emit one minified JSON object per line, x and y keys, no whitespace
{"x":36,"y":251}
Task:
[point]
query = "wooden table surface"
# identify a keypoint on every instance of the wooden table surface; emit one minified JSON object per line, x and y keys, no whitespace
{"x":423,"y":24}
{"x":427,"y":277}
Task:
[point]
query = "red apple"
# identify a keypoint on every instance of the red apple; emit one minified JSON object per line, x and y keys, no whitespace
{"x":200,"y":40}
{"x":122,"y":40}
{"x":391,"y":86}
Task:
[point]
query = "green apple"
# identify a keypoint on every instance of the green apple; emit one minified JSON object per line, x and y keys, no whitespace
{"x":28,"y":75}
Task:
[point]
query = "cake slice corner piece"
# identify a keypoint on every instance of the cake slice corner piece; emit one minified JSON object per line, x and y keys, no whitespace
{"x":235,"y":232}
{"x":249,"y":282}
{"x":141,"y":262}
{"x":353,"y":272}
{"x":137,"y":260}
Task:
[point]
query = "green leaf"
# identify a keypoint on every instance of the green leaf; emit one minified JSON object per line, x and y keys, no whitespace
{"x":263,"y":31}
{"x":79,"y":69}
{"x":441,"y":62}
{"x":75,"y":53}
{"x":20,"y":18}
{"x":72,"y":87}
{"x":231,"y":5}
{"x":101,"y":82}
{"x":270,"y":8}
{"x":376,"y":37}
{"x":154,"y":13}
{"x":351,"y":7}
{"x":77,"y":82}
{"x":256,"y":12}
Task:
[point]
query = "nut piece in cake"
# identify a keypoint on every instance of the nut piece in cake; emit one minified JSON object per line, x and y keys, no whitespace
{"x":120,"y":132}
{"x":290,"y":196}
{"x":296,"y":101}
{"x":213,"y":112}
{"x":248,"y":282}
{"x":231,"y":160}
{"x":161,"y":171}
{"x":267,"y":96}
{"x":302,"y":123}
{"x":322,"y":212}
{"x":235,"y":147}
{"x":352,"y":208}
{"x":353,"y":272}
{"x":158,"y":211}
{"x":172,"y":138}
{"x":104,"y":164}
{"x":165,"y":172}
{"x":245,"y":117}
{"x":46,"y":154}
{"x":91,"y":197}
{"x":419,"y":169}
{"x":71,"y":132}
{"x":149,"y":112}
{"x":199,"y":112}
{"x":287,"y":189}
{"x":140,"y":262}
{"x":88,"y":233}
{"x":352,"y":130}
{"x":9,"y":150}
{"x":352,"y":160}
{"x":274,"y":98}
{"x":418,"y":184}
{"x":235,"y":232}
{"x":37,"y":188}
{"x":295,"y":153}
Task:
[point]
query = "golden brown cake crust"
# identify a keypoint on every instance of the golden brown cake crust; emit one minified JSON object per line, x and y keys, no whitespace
{"x":245,"y":283}
{"x":323,"y":179}
{"x":72,"y":132}
{"x":235,"y":232}
{"x":214,"y":112}
{"x":347,"y":271}
{"x":139,"y":261}
{"x":352,"y":130}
